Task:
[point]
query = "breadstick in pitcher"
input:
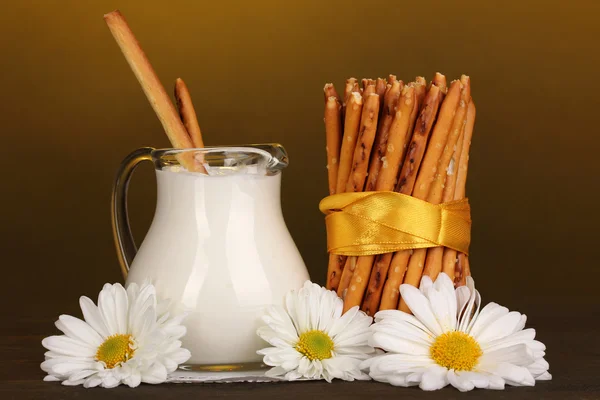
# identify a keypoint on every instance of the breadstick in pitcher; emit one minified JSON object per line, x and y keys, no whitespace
{"x":154,"y":90}
{"x":187,"y":113}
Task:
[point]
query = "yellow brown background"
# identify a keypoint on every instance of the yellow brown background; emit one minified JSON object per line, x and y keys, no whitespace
{"x":70,"y":110}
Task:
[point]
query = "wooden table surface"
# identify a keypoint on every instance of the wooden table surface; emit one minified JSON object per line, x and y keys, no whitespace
{"x":571,"y":334}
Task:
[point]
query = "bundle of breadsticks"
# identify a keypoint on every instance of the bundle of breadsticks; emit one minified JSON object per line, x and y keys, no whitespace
{"x":181,"y":127}
{"x":414,"y":139}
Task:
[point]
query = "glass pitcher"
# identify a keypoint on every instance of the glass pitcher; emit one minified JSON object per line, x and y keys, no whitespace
{"x":218,"y":246}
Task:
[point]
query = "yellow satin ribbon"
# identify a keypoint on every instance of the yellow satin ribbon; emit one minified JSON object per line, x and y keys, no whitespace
{"x":367,"y":223}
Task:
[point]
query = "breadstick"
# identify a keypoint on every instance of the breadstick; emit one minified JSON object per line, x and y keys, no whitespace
{"x":368,"y":90}
{"x":356,"y":180}
{"x":346,"y":277}
{"x":416,"y":149}
{"x":362,"y":153}
{"x":449,"y":261}
{"x":420,"y":92}
{"x":436,"y":162}
{"x":349,"y":88}
{"x":391,"y":79}
{"x":389,"y":110}
{"x":445,"y":180}
{"x":437,"y":143}
{"x":365,"y":83}
{"x":406,"y":180}
{"x":462,"y":270}
{"x":154,"y":90}
{"x":384,"y":262}
{"x":439,"y":80}
{"x":386,"y":181}
{"x":333,"y":132}
{"x":380,"y":86}
{"x":351,"y":125}
{"x":187,"y":113}
{"x":329,"y":91}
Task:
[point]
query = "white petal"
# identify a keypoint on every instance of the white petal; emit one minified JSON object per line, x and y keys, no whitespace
{"x":351,"y":334}
{"x":420,"y":307}
{"x":396,"y":315}
{"x":426,"y":284}
{"x":133,"y":380}
{"x":121,"y":308}
{"x":156,"y":373}
{"x":517,"y":354}
{"x":68,"y":368}
{"x":526,"y":337}
{"x":443,"y":307}
{"x":340,"y":324}
{"x":92,"y":381}
{"x":544,"y":377}
{"x":490,"y":313}
{"x":69,"y":347}
{"x":107,"y":308}
{"x":404,"y":330}
{"x":434,"y":378}
{"x":51,"y":378}
{"x":92,"y":316}
{"x":512,"y":374}
{"x":83,"y":374}
{"x":499,"y":328}
{"x":78,"y":329}
{"x":467,"y":380}
{"x":538,"y":368}
{"x":462,"y":296}
{"x":396,"y":344}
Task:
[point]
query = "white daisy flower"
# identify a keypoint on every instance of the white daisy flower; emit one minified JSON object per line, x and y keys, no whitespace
{"x":128,"y":338}
{"x":312,"y":339}
{"x":450,"y":341}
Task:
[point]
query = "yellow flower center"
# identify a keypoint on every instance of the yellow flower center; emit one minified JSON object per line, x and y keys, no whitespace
{"x":456,"y":350}
{"x":315,"y":345}
{"x":115,"y":350}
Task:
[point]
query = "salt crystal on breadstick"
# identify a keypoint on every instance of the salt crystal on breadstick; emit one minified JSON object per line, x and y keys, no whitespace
{"x":154,"y":90}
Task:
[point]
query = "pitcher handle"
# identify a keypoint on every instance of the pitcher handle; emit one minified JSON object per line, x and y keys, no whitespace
{"x":124,"y":243}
